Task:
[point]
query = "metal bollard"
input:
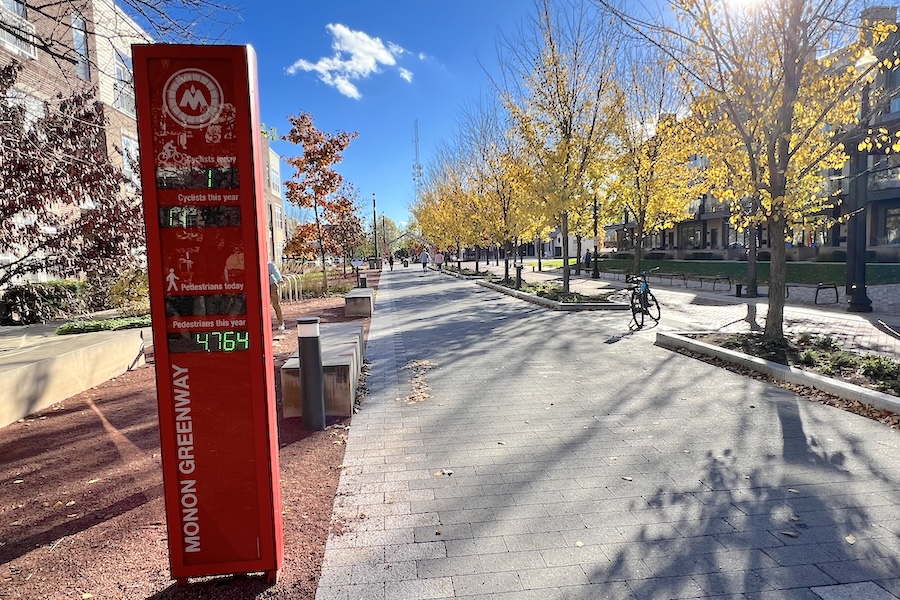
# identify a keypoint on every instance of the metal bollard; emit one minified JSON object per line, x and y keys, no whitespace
{"x":312,"y":378}
{"x":363,"y":280}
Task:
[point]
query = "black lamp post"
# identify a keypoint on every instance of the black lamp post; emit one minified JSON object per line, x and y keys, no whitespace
{"x":858,"y":300}
{"x":595,"y":272}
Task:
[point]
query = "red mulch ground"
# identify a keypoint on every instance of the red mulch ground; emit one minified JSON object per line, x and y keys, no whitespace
{"x":81,"y":500}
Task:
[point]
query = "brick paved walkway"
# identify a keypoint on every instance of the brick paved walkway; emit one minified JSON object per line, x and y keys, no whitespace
{"x":509,"y":452}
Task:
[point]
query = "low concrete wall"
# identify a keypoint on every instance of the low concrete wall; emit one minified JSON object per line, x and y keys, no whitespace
{"x":37,"y":377}
{"x":343,"y":349}
{"x":359,"y":302}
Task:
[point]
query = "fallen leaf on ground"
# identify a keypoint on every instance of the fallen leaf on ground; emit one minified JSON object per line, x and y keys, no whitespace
{"x":792,"y":534}
{"x":851,"y":539}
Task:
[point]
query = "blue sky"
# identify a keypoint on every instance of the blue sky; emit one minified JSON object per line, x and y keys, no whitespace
{"x":376,"y":68}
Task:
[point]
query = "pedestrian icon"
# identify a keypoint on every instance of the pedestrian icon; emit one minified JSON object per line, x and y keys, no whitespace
{"x":171,"y":279}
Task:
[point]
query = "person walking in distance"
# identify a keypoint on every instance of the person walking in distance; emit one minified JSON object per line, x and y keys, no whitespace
{"x":424,"y":258}
{"x":275,"y":279}
{"x":439,"y":260}
{"x":391,"y":261}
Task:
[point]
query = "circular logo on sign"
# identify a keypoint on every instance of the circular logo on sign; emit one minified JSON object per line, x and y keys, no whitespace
{"x":193,"y":97}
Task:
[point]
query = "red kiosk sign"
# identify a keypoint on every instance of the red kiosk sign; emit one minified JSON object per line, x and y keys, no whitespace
{"x":198,"y":118}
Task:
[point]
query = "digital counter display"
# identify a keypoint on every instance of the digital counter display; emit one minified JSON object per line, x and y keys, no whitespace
{"x":198,"y":306}
{"x":232,"y":340}
{"x":199,"y":216}
{"x":197,"y":178}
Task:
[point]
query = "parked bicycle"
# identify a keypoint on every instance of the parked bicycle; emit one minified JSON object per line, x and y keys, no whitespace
{"x":643,"y":302}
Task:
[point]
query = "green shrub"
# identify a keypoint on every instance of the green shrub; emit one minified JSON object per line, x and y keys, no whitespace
{"x":41,"y":302}
{"x":842,"y":360}
{"x":877,"y":367}
{"x":824,"y":342}
{"x":130,"y":293}
{"x":808,"y":358}
{"x":91,"y":325}
{"x":833,"y":256}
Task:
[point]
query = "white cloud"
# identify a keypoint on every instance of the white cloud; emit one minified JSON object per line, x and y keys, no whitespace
{"x":357,"y":56}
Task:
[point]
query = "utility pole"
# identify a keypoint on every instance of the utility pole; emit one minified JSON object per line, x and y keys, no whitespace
{"x":374,"y":229}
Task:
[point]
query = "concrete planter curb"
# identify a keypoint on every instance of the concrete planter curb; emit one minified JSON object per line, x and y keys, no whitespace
{"x":780,"y":372}
{"x":552,"y":303}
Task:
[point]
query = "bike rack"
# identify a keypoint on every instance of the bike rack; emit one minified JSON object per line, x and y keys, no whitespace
{"x":291,"y":289}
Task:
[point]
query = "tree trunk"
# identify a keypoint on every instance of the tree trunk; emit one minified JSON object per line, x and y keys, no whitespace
{"x":752,"y":289}
{"x":777,"y":277}
{"x":638,"y":243}
{"x":539,"y":251}
{"x":477,"y":253}
{"x":321,"y":248}
{"x":508,"y":247}
{"x":564,"y":229}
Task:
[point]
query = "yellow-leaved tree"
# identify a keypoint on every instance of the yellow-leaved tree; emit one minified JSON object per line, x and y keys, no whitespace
{"x":557,"y":87}
{"x":655,"y":182}
{"x":772,"y":83}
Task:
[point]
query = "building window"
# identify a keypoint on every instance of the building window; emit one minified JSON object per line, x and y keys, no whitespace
{"x":80,"y":44}
{"x":279,"y":223}
{"x":690,"y":237}
{"x":892,"y":226}
{"x":124,"y":84}
{"x":130,"y":159}
{"x":16,"y":34}
{"x":274,"y":175}
{"x":33,"y":108}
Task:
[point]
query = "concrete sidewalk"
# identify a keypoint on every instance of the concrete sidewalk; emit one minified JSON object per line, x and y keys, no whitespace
{"x":509,"y":452}
{"x":693,"y":309}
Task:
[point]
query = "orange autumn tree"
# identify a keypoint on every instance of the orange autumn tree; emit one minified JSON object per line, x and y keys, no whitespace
{"x":315,"y":184}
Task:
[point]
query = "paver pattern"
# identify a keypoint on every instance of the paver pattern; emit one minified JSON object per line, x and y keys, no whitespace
{"x":543,"y":455}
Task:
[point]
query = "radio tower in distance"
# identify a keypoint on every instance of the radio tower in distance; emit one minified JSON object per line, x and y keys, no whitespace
{"x":417,"y":166}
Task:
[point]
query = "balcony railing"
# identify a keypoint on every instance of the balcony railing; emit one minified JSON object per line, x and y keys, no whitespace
{"x":17,"y":34}
{"x":885,"y":179}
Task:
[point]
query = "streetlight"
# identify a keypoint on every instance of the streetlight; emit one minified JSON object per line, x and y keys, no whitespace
{"x":595,"y":272}
{"x":858,"y":300}
{"x":374,"y":231}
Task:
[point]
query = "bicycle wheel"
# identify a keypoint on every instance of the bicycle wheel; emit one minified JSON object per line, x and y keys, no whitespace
{"x":637,"y":309}
{"x":652,"y":306}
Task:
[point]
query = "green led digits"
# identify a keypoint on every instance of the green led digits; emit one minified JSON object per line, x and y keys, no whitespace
{"x":222,"y":341}
{"x":209,"y":341}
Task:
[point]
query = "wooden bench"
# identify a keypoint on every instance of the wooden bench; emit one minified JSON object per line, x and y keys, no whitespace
{"x":343,"y":349}
{"x":822,"y":285}
{"x":672,"y":277}
{"x":714,"y":279}
{"x":359,"y":302}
